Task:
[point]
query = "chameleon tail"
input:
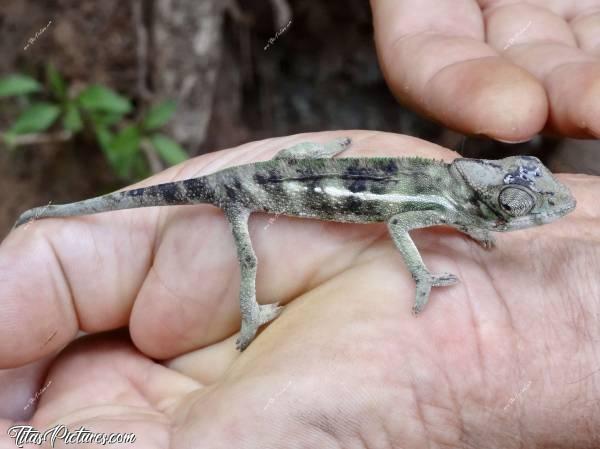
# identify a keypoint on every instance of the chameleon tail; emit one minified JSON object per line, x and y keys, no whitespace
{"x":189,"y":191}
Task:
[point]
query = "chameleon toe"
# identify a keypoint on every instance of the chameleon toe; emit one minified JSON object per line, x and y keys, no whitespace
{"x":268,"y":312}
{"x":443,"y":279}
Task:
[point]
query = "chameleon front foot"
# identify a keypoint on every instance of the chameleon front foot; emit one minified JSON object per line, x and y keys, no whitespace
{"x":483,"y":237}
{"x":266,"y":313}
{"x":424,"y":284}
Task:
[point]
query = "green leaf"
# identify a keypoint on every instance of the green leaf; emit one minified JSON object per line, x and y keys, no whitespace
{"x":100,"y":98}
{"x":122,"y":150}
{"x":72,"y":118}
{"x":158,"y":115}
{"x":18,"y":85}
{"x":104,"y":137}
{"x":168,"y":149}
{"x":105,"y":118}
{"x":38,"y":117}
{"x":56,"y":81}
{"x":140,"y":168}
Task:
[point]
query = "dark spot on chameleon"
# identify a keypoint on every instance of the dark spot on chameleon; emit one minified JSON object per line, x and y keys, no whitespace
{"x":274,"y":176}
{"x":394,"y":221}
{"x":232,"y":192}
{"x":268,"y":178}
{"x":354,"y":169}
{"x":137,"y":192}
{"x":359,"y":207}
{"x":390,"y":167}
{"x":310,"y":178}
{"x":170,"y":193}
{"x":260,"y":179}
{"x":191,"y":187}
{"x":198,"y":188}
{"x":250,"y":261}
{"x":472,"y":199}
{"x":303,"y":171}
{"x":191,"y":184}
{"x":352,"y":204}
{"x":360,"y":185}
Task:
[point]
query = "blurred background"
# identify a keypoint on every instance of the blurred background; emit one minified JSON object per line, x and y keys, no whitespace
{"x":95,"y":95}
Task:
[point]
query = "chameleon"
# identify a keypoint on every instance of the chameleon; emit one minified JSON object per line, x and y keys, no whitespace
{"x":475,"y":196}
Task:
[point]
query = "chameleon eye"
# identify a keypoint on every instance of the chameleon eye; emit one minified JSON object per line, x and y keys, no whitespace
{"x":516,"y":202}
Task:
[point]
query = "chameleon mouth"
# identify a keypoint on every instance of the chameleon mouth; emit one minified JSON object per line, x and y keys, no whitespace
{"x":568,"y":208}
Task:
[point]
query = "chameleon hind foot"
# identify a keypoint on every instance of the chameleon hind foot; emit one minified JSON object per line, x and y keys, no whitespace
{"x":266,"y":313}
{"x":424,"y":284}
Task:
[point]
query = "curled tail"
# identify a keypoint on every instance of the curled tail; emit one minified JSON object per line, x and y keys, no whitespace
{"x":189,"y":191}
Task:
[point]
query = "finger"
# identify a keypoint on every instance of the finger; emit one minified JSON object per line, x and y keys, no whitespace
{"x":543,"y":43}
{"x":586,"y":28}
{"x":170,"y":273}
{"x":435,"y":59}
{"x":21,"y":388}
{"x":519,"y":23}
{"x":563,"y":8}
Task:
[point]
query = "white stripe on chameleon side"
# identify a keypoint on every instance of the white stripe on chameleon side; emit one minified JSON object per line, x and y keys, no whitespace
{"x":391,"y":197}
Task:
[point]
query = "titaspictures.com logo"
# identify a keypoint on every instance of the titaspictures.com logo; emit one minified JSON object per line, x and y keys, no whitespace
{"x":24,"y":434}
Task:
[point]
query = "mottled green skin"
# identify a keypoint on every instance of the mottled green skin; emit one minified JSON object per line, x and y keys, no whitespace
{"x":474,"y":196}
{"x":359,"y":190}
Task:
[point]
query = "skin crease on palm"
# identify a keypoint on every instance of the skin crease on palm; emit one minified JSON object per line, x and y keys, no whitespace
{"x":506,"y":358}
{"x":502,"y":68}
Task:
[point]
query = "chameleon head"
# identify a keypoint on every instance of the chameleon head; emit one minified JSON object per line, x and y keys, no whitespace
{"x":515,"y":192}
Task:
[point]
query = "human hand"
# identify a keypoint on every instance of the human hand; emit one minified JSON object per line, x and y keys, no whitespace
{"x":506,"y":358}
{"x":506,"y":70}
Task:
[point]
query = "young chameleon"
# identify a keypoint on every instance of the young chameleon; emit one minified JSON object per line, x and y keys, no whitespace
{"x":474,"y":196}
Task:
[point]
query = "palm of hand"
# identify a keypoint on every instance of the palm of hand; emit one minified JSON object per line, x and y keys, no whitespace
{"x":346,"y":361}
